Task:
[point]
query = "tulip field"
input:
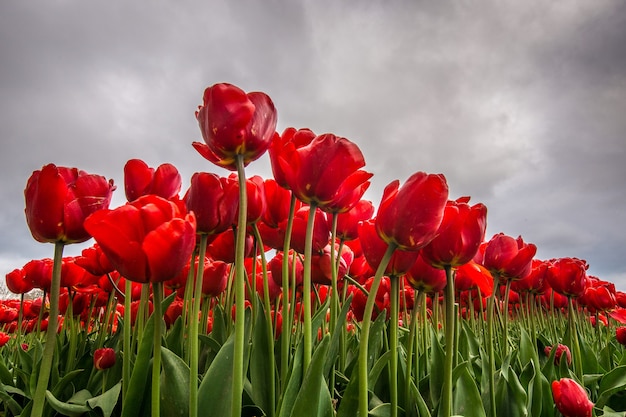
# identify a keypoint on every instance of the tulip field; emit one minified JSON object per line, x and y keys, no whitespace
{"x":293,"y":295}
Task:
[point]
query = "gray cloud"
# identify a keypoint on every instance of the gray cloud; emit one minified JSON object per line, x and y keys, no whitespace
{"x":519,"y":104}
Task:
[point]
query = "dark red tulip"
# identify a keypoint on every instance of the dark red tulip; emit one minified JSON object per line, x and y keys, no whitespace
{"x":598,"y":296}
{"x":298,"y":138}
{"x":214,"y":200}
{"x":326,"y":172}
{"x":17,"y":283}
{"x":568,"y":276}
{"x":374,"y":249}
{"x":382,"y":303}
{"x":424,"y":277}
{"x":234,"y":123}
{"x":560,"y":351}
{"x":275,"y":265}
{"x":255,"y":192}
{"x":140,"y":179}
{"x":59,"y":199}
{"x":620,"y":335}
{"x":508,"y":258}
{"x":347,"y":222}
{"x":278,"y":201}
{"x":222,"y":247}
{"x":148,"y":240}
{"x":461,"y":232}
{"x":321,"y":234}
{"x":571,"y":399}
{"x":103,"y":358}
{"x":321,"y":270}
{"x":536,"y":282}
{"x":215,"y":277}
{"x":409,"y":216}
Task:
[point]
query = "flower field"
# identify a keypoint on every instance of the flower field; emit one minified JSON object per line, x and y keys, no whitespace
{"x":294,"y":296}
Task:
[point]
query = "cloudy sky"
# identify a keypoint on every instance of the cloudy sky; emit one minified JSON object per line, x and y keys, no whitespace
{"x":522,"y":105}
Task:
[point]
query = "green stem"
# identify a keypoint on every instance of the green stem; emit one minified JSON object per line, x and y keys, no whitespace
{"x":450,"y":319}
{"x":240,"y":292}
{"x":393,"y":344}
{"x":157,"y":298}
{"x":365,"y":332}
{"x":577,"y":357}
{"x":490,"y":349}
{"x":505,"y":320}
{"x":51,"y":333}
{"x":285,"y":335}
{"x":409,"y":351}
{"x":193,"y":329}
{"x":127,"y":338}
{"x":306,"y":288}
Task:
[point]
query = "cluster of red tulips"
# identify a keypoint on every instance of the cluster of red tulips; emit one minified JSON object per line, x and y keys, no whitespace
{"x":293,"y":295}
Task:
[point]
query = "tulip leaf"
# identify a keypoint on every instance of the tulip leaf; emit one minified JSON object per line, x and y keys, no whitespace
{"x":107,"y":401}
{"x":611,"y":383}
{"x":260,"y":372}
{"x":175,"y":336}
{"x":308,"y":400}
{"x":333,"y":349}
{"x":466,"y":401}
{"x":532,"y":379}
{"x":511,"y":397}
{"x":437,"y":360}
{"x":75,"y":407}
{"x":139,"y":377}
{"x":350,"y":401}
{"x":5,"y":374}
{"x":174,"y":384}
{"x":294,"y":380}
{"x":7,"y":399}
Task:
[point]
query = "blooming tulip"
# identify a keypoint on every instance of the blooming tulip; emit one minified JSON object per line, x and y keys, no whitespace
{"x":424,"y":277}
{"x":59,"y":199}
{"x":461,"y":232}
{"x":17,"y":283}
{"x":234,"y":123}
{"x":213,"y":200}
{"x":148,"y":240}
{"x":103,"y":358}
{"x":409,"y":216}
{"x":509,"y":258}
{"x":140,"y":179}
{"x":571,"y":399}
{"x":560,"y":350}
{"x":568,"y":276}
{"x":620,"y":335}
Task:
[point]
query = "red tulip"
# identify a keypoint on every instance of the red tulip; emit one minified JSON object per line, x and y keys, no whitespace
{"x":298,"y":138}
{"x":382,"y":299}
{"x":473,"y":276}
{"x":215,"y":277}
{"x":17,"y":283}
{"x":461,"y":232}
{"x":409,"y":216}
{"x":222,"y":247}
{"x":39,"y":272}
{"x":347,"y":222}
{"x":424,"y":277}
{"x":94,"y":260}
{"x":255,"y":192}
{"x":374,"y":249}
{"x":560,"y":351}
{"x":275,"y":266}
{"x":214,"y":201}
{"x":4,"y":338}
{"x":325,"y":172}
{"x":321,"y":234}
{"x":103,"y":358}
{"x":620,"y":335}
{"x":568,"y":276}
{"x":321,"y":268}
{"x":535,"y":282}
{"x":140,"y":179}
{"x":571,"y":399}
{"x":58,"y":200}
{"x":508,"y":258}
{"x":598,"y":298}
{"x":278,"y":201}
{"x":620,"y":298}
{"x":234,"y":123}
{"x":148,"y":240}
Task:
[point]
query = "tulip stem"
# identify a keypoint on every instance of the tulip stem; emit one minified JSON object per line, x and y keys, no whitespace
{"x":393,"y":344}
{"x":127,"y":338}
{"x":51,"y":332}
{"x":285,"y":334}
{"x":240,"y":291}
{"x":193,"y":329}
{"x":365,"y":331}
{"x":157,"y":299}
{"x":573,"y":332}
{"x":490,"y":349}
{"x":306,"y":288}
{"x":450,"y":318}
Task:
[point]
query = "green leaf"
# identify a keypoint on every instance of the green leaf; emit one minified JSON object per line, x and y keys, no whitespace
{"x":260,"y":372}
{"x":107,"y":401}
{"x":5,"y":375}
{"x":8,"y":400}
{"x":293,"y":383}
{"x":467,"y":401}
{"x":527,"y":349}
{"x":308,"y":400}
{"x":436,"y":364}
{"x":511,"y":397}
{"x":532,"y":379}
{"x":175,"y":336}
{"x":75,"y":407}
{"x":174,"y":384}
{"x":378,"y":367}
{"x":139,"y":377}
{"x":350,"y":402}
{"x":611,"y":383}
{"x":333,"y":349}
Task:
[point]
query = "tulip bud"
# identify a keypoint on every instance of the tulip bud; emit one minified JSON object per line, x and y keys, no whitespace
{"x":103,"y":358}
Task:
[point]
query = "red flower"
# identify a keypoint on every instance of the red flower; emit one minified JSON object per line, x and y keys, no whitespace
{"x":509,"y":258}
{"x":255,"y":192}
{"x":39,"y":272}
{"x":620,"y":335}
{"x":140,"y":179}
{"x":599,"y":295}
{"x":571,"y":399}
{"x":215,"y":277}
{"x":382,"y":299}
{"x":424,"y":277}
{"x":473,"y":276}
{"x":347,"y":222}
{"x":103,"y":358}
{"x":298,"y":138}
{"x":374,"y":249}
{"x":17,"y":283}
{"x":93,"y":260}
{"x":4,"y":338}
{"x":536,"y":282}
{"x":275,"y":266}
{"x":461,"y":232}
{"x":148,"y":240}
{"x":321,"y":268}
{"x":214,"y":201}
{"x":560,"y":350}
{"x":409,"y":216}
{"x":234,"y":123}
{"x":278,"y":201}
{"x":222,"y":247}
{"x":321,"y":234}
{"x":568,"y":276}
{"x":58,"y":200}
{"x":325,"y":172}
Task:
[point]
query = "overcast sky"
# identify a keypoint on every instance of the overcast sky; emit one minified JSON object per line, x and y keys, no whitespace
{"x":521,"y":105}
